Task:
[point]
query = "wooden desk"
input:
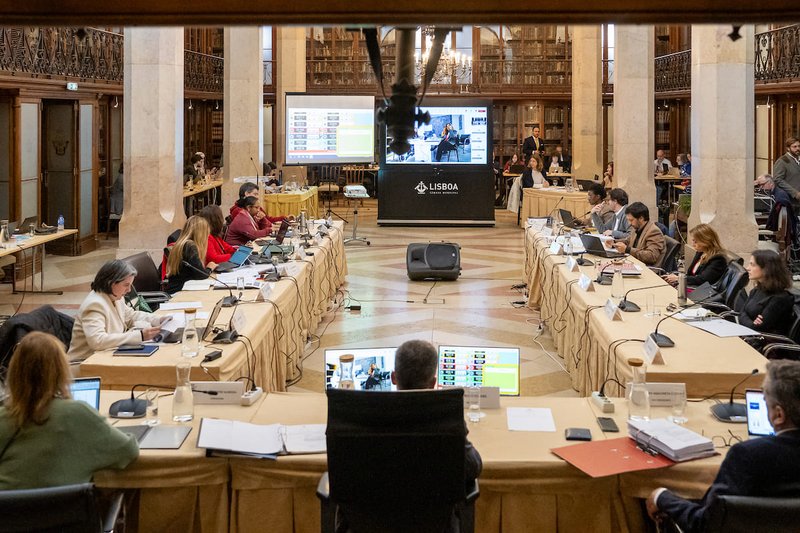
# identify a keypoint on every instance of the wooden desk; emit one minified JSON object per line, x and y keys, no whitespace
{"x":201,"y":188}
{"x":291,"y":203}
{"x":585,"y":337}
{"x":277,"y":331}
{"x":541,"y":202}
{"x":20,"y":243}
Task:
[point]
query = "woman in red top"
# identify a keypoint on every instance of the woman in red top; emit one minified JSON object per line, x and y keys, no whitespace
{"x":218,"y":251}
{"x":250,"y":224}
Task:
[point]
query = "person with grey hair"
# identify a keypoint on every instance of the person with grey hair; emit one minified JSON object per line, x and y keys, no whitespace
{"x":104,"y":321}
{"x":762,"y":467}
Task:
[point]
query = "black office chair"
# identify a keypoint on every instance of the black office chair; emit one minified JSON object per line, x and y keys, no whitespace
{"x":147,"y":283}
{"x":396,"y":462}
{"x":748,"y":514}
{"x":727,"y":289}
{"x":667,"y":261}
{"x":784,"y":347}
{"x":67,"y":509}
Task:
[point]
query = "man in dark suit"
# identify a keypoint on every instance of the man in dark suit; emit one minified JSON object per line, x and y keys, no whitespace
{"x":786,"y":171}
{"x":646,"y":242}
{"x":532,"y":144}
{"x":767,"y":466}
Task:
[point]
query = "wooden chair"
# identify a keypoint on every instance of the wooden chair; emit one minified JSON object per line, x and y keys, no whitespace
{"x":329,"y":181}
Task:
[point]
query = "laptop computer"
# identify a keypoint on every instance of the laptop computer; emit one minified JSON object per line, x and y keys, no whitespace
{"x":594,"y":246}
{"x":758,"y":424}
{"x":25,"y":225}
{"x":236,"y":260}
{"x":479,"y":366}
{"x":86,"y":390}
{"x":204,"y":332}
{"x":568,"y":220}
{"x":584,"y":185}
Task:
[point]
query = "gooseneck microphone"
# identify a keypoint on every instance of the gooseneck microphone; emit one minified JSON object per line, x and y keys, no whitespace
{"x":662,"y":340}
{"x":255,"y":167}
{"x":732,"y":412}
{"x":601,"y":279}
{"x":630,"y":307}
{"x":133,"y":407}
{"x":550,"y":215}
{"x":228,"y":301}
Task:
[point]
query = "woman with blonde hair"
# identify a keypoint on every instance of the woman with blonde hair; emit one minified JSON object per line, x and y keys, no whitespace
{"x":532,"y":175}
{"x":190,"y":247}
{"x":709,"y":262}
{"x":46,"y":438}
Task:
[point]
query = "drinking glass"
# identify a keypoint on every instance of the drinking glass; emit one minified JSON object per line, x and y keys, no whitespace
{"x":679,"y":409}
{"x":473,"y":395}
{"x":151,"y":395}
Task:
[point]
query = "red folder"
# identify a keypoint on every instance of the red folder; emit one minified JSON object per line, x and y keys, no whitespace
{"x":609,"y":457}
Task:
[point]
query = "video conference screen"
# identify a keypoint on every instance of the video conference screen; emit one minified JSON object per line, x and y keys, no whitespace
{"x":456,"y":135}
{"x":372,"y":368}
{"x":479,"y":366}
{"x":334,"y":129}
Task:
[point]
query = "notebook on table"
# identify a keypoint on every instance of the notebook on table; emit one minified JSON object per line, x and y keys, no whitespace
{"x":160,"y":437}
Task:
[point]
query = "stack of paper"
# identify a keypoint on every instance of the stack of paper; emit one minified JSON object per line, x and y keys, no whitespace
{"x":669,"y":439}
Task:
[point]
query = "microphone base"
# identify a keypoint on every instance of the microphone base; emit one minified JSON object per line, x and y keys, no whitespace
{"x":584,"y":262}
{"x":229,"y":301}
{"x":662,"y":340}
{"x":226,"y":337}
{"x":629,"y":307}
{"x":733,"y":413}
{"x":128,"y":408}
{"x":603,"y":280}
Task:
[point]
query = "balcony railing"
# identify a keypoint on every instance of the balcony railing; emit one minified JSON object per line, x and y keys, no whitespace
{"x":673,"y":72}
{"x":777,"y":54}
{"x":202,"y":72}
{"x":85,"y":54}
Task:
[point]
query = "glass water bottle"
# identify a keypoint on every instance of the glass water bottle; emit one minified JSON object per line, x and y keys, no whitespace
{"x":346,"y":379}
{"x":617,"y":284}
{"x":190,"y":343}
{"x":182,"y":400}
{"x":638,"y":396}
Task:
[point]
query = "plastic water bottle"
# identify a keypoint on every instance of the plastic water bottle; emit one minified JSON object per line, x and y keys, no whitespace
{"x":60,"y":222}
{"x":681,"y":283}
{"x":183,"y":400}
{"x":639,"y":396}
{"x":190,"y":343}
{"x":617,"y":284}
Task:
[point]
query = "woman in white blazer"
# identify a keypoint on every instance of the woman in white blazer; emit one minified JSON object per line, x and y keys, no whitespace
{"x":104,"y":321}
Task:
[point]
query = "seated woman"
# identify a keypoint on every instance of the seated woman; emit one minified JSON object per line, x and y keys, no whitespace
{"x":190,"y":247}
{"x":608,"y":176}
{"x":448,"y":142}
{"x":250,"y":223}
{"x":218,"y":250}
{"x":533,"y":174}
{"x":104,"y":321}
{"x":46,"y":438}
{"x":511,"y":162}
{"x":768,"y":307}
{"x":709,"y":262}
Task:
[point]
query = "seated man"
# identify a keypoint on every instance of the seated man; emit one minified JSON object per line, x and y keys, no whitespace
{"x":415,"y":368}
{"x":646,"y":242}
{"x":765,"y":467}
{"x":617,"y":226}
{"x":251,"y":189}
{"x":601,"y":212}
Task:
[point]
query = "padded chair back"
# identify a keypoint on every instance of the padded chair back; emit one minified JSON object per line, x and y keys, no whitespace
{"x":396,"y":459}
{"x":737,"y":278}
{"x":748,"y":514}
{"x":67,"y":509}
{"x":148,"y":278}
{"x":667,"y":262}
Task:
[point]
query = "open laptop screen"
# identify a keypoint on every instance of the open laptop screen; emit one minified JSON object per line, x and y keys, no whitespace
{"x":365,"y":375}
{"x":757,"y":419}
{"x":86,"y":390}
{"x":472,"y":366}
{"x":241,"y":255}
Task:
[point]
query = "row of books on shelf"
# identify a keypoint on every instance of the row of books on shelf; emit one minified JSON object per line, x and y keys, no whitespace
{"x":662,"y":137}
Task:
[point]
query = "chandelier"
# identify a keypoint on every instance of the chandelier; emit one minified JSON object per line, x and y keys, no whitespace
{"x":453,"y":66}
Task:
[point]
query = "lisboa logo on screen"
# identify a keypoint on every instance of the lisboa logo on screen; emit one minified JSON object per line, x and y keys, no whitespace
{"x":437,"y":188}
{"x":421,"y":188}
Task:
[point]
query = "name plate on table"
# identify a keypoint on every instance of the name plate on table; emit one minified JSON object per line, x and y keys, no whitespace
{"x":612,"y":310}
{"x":572,"y":265}
{"x":663,"y":394}
{"x":586,"y":283}
{"x":555,"y":248}
{"x":264,"y":292}
{"x":238,"y":320}
{"x":547,"y":232}
{"x":221,"y":392}
{"x":652,"y":352}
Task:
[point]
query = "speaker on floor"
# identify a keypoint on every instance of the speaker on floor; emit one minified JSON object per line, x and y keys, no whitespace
{"x":433,"y":260}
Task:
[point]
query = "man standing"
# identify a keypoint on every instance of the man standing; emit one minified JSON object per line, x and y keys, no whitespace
{"x":786,"y":171}
{"x":617,"y":226}
{"x":764,"y":467}
{"x":532,"y":144}
{"x":646,"y":242}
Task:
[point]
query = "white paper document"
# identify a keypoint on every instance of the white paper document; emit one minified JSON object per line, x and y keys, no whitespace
{"x":722,"y":328}
{"x":258,"y":439}
{"x":530,"y":419}
{"x":178,"y":320}
{"x":198,"y":284}
{"x":177,"y":306}
{"x":305,"y":438}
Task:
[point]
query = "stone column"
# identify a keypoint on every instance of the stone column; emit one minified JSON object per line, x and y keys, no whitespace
{"x":723,"y":137}
{"x":243,"y":133}
{"x":587,"y":102}
{"x":153,"y":139}
{"x":290,"y":61}
{"x":634,"y":118}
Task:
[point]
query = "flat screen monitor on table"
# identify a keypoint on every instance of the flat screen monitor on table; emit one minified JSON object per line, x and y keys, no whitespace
{"x":380,"y":377}
{"x":472,"y":366}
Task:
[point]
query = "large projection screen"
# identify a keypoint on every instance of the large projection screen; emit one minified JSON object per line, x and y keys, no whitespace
{"x":332,"y":129}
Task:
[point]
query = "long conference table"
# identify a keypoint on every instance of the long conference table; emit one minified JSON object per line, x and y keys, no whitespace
{"x":272,"y":340}
{"x":291,"y":203}
{"x":596,"y":349}
{"x":523,"y":486}
{"x":542,"y":202}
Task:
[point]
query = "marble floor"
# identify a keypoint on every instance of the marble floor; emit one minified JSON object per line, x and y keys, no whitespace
{"x":477,"y":309}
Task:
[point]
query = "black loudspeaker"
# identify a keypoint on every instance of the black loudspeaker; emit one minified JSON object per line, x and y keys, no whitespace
{"x":436,"y":260}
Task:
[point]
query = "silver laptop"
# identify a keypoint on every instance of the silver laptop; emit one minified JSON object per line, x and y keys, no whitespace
{"x":758,"y":424}
{"x":595,"y":246}
{"x":86,"y":390}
